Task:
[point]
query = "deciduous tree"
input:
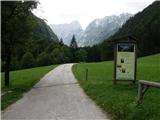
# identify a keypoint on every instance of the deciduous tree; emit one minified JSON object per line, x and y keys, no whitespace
{"x":16,"y":27}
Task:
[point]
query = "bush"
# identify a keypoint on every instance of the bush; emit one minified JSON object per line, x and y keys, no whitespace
{"x":43,"y":59}
{"x":3,"y":66}
{"x":81,"y":55}
{"x":55,"y":55}
{"x":28,"y":60}
{"x":61,"y":55}
{"x":15,"y":64}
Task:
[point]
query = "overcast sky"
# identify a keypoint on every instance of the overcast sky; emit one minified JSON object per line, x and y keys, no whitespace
{"x":66,"y":11}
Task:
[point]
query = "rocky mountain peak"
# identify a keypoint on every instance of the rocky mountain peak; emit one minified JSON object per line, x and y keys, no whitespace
{"x":95,"y":32}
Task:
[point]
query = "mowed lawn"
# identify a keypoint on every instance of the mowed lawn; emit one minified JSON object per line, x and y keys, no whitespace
{"x":21,"y":82}
{"x":119,"y":101}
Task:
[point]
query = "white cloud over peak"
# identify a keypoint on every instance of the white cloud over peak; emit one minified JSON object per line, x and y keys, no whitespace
{"x":65,"y":11}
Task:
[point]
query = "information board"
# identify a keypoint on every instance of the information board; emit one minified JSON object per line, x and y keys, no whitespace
{"x":125,"y":65}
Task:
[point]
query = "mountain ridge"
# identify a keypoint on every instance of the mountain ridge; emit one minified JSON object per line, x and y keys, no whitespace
{"x":145,"y":27}
{"x":100,"y":29}
{"x":96,"y":31}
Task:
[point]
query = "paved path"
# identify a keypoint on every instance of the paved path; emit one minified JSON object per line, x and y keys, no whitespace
{"x":57,"y":96}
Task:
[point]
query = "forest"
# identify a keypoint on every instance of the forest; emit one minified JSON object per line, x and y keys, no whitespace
{"x":27,"y":41}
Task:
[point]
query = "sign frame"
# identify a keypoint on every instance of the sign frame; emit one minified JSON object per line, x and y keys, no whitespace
{"x":128,"y":40}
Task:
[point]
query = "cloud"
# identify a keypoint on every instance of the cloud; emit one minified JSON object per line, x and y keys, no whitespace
{"x":138,"y":5}
{"x":65,"y":11}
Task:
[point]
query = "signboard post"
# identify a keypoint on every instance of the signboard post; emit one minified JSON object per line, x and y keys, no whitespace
{"x":125,"y":60}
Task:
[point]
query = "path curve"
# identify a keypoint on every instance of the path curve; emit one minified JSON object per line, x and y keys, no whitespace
{"x":56,"y":96}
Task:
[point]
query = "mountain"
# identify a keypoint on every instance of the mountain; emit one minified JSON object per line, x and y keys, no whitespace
{"x":100,"y":29}
{"x":96,"y":31}
{"x":42,"y":31}
{"x":145,"y":26}
{"x":66,"y":31}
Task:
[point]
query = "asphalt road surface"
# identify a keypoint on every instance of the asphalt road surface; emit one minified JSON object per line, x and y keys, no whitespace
{"x":56,"y":96}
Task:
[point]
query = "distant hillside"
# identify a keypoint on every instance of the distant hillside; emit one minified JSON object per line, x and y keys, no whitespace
{"x":27,"y":41}
{"x":43,"y":32}
{"x":145,"y":26}
{"x":100,"y":29}
{"x":66,"y":31}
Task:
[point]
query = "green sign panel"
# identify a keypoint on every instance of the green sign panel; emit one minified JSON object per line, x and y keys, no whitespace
{"x":125,"y":65}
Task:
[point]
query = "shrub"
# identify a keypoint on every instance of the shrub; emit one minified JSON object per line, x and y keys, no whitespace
{"x":81,"y":55}
{"x":43,"y":59}
{"x":28,"y":60}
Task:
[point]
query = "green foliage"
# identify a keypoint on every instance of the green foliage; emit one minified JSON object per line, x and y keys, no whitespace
{"x":119,"y":100}
{"x":22,"y":81}
{"x":107,"y":51}
{"x":51,"y":47}
{"x":28,"y":60}
{"x":81,"y":55}
{"x":145,"y":26}
{"x":23,"y":32}
{"x":61,"y":42}
{"x":15,"y":64}
{"x":93,"y":53}
{"x":16,"y":28}
{"x":16,"y":25}
{"x":2,"y":65}
{"x":73,"y":43}
{"x":43,"y":59}
{"x":67,"y":54}
{"x":42,"y":38}
{"x":55,"y":55}
{"x":74,"y":48}
{"x":61,"y":55}
{"x":42,"y":32}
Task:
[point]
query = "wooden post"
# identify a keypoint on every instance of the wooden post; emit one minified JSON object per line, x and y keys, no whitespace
{"x":86,"y":74}
{"x":115,"y":62}
{"x":135,"y":67}
{"x":139,"y":93}
{"x":143,"y":87}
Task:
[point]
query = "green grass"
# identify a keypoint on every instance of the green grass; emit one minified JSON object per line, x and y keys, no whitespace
{"x":119,"y":101}
{"x":21,"y":82}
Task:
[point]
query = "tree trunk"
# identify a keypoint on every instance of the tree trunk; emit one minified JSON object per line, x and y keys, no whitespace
{"x":7,"y":69}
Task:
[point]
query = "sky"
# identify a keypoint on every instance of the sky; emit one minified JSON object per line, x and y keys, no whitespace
{"x":84,"y":11}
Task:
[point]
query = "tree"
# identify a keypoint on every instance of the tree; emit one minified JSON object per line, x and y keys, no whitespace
{"x":73,"y":43}
{"x":81,"y":55}
{"x":57,"y":56}
{"x":28,"y":60}
{"x":61,"y":42}
{"x":51,"y":47}
{"x":16,"y":27}
{"x":94,"y":53}
{"x":66,"y":53}
{"x":106,"y":51}
{"x":43,"y":59}
{"x":15,"y":64}
{"x":54,"y":55}
{"x":74,"y":48}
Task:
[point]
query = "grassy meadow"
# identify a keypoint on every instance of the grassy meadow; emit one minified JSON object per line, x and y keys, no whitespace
{"x":119,"y":101}
{"x":21,"y":82}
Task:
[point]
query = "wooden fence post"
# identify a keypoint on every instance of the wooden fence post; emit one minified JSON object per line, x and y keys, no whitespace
{"x":139,"y":93}
{"x":86,"y":74}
